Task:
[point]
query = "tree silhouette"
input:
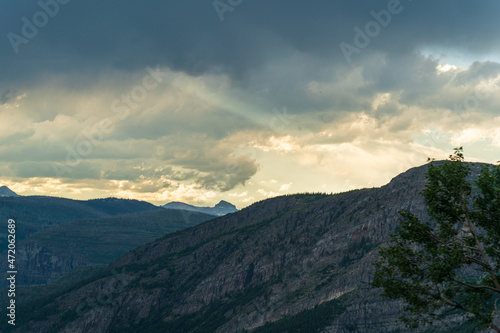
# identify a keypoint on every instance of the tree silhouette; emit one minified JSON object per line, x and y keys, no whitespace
{"x":452,"y":261}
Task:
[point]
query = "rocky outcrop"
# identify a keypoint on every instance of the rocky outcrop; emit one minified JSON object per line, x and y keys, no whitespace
{"x":43,"y":265}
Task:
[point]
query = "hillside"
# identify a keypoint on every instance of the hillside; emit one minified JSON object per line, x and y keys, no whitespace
{"x":279,"y":263}
{"x":34,"y":214}
{"x":49,"y":255}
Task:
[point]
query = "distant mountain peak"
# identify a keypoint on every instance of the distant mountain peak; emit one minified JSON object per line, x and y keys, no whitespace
{"x":7,"y":192}
{"x":222,"y":208}
{"x":225,"y":204}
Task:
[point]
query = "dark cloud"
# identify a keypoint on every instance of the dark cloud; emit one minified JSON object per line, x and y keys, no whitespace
{"x":89,"y":36}
{"x":83,"y":170}
{"x":478,"y":71}
{"x":224,"y":81}
{"x":237,"y":171}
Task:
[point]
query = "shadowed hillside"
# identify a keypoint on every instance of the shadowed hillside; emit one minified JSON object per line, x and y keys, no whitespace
{"x":282,"y":262}
{"x":50,"y":254}
{"x":34,"y":214}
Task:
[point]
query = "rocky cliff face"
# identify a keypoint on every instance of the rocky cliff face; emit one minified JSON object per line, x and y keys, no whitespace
{"x":276,"y":258}
{"x":43,"y":265}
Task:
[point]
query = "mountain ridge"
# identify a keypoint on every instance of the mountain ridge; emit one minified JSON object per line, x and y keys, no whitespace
{"x":34,"y":214}
{"x":220,"y":209}
{"x":276,"y":259}
{"x":7,"y":192}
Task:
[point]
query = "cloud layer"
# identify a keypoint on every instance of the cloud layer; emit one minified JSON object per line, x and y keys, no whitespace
{"x":164,"y":101}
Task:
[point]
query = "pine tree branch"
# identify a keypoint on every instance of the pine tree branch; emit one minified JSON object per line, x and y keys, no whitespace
{"x":480,"y":248}
{"x":466,"y":246}
{"x":459,"y":306}
{"x":455,"y":242}
{"x":479,"y":262}
{"x":475,"y":287}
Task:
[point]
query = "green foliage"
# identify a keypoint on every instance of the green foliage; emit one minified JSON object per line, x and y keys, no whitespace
{"x":207,"y":320}
{"x":355,"y":252}
{"x":453,"y":261}
{"x":37,"y":303}
{"x":312,"y":320}
{"x":66,"y":318}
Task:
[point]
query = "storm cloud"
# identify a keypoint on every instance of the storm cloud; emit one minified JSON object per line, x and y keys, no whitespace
{"x":417,"y":78}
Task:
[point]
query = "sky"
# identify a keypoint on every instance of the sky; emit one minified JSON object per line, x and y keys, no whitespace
{"x":241,"y":100}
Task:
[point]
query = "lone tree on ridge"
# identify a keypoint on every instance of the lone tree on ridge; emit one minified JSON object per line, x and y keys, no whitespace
{"x":451,"y":263}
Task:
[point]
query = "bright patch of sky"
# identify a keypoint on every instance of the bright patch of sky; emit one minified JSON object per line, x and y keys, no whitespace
{"x":453,"y":58}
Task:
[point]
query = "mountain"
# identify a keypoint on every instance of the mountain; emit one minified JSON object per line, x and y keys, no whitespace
{"x":37,"y":213}
{"x":6,"y":192}
{"x":222,"y":208}
{"x":296,"y":263}
{"x":51,"y":254}
{"x":34,"y":214}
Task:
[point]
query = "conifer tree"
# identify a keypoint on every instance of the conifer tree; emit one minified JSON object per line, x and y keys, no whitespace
{"x":451,"y":262}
